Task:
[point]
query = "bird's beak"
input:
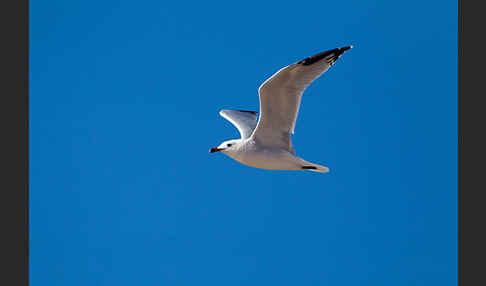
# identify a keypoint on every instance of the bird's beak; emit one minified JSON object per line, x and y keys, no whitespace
{"x":215,"y":149}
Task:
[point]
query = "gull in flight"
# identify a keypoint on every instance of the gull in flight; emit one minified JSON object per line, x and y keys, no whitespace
{"x":266,"y":144}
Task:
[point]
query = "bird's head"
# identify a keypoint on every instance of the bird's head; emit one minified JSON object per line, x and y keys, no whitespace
{"x":227,"y":147}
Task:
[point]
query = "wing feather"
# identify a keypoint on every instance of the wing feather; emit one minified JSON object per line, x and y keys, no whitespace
{"x":244,"y":121}
{"x":280,"y":97}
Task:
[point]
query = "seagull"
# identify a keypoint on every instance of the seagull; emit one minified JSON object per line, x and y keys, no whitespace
{"x":266,"y":144}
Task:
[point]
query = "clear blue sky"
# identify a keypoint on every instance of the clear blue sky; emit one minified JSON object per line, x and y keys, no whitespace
{"x":124,"y":101}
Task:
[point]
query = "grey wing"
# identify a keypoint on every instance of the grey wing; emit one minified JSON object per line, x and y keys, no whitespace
{"x":281,"y":94}
{"x":244,"y":121}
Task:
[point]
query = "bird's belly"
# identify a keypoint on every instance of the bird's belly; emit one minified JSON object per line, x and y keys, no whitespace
{"x":270,"y":159}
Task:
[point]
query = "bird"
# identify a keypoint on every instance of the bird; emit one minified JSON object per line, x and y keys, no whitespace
{"x":266,"y":143}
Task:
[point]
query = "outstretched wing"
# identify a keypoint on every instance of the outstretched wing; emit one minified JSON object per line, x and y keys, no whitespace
{"x":244,"y":121}
{"x":281,"y":94}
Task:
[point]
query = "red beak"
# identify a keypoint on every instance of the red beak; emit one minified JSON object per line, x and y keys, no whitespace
{"x":215,"y":149}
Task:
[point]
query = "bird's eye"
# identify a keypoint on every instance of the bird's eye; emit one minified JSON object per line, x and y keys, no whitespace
{"x":229,"y":145}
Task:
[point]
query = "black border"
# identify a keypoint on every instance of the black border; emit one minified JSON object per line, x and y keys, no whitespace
{"x":14,"y":198}
{"x":471,"y":144}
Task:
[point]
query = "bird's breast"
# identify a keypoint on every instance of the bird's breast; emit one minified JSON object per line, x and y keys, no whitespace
{"x":267,"y":158}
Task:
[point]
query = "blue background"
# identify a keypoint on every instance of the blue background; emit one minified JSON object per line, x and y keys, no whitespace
{"x":124,"y":101}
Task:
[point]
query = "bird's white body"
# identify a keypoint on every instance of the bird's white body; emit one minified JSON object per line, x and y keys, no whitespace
{"x":251,"y":153}
{"x":266,"y":144}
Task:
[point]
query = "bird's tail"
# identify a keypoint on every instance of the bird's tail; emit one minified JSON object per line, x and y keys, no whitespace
{"x":314,"y":167}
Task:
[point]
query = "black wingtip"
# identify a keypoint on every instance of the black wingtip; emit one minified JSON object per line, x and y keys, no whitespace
{"x":331,"y":56}
{"x":244,"y":111}
{"x":343,"y":49}
{"x":247,"y":111}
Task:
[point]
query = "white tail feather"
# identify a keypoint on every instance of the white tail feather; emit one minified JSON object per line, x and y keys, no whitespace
{"x":320,"y":169}
{"x":313,"y":167}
